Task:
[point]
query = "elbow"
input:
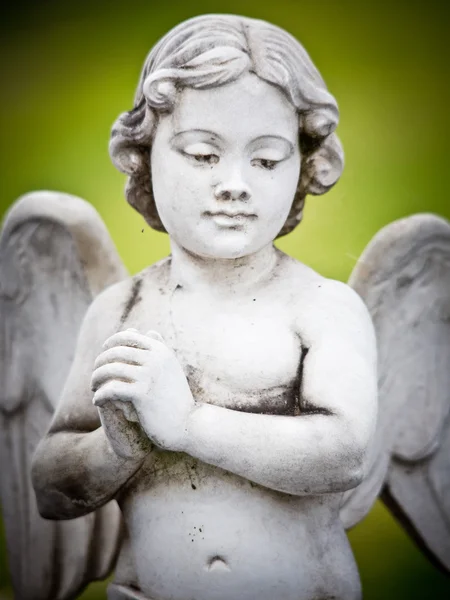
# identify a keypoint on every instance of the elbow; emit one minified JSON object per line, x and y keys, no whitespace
{"x":336,"y":476}
{"x":41,"y":484}
{"x":343,"y":469}
{"x":332,"y":474}
{"x":56,"y":506}
{"x":349,"y":455}
{"x":350,"y":477}
{"x":343,"y":476}
{"x":350,"y":467}
{"x":52,"y":503}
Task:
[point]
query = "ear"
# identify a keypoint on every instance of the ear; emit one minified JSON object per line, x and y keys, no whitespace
{"x":322,"y":169}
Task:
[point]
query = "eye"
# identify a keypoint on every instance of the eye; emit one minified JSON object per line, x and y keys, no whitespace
{"x":209,"y":159}
{"x":205,"y":154}
{"x":264,"y":163}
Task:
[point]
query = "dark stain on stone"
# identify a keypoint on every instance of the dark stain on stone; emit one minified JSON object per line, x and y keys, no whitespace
{"x":193,"y":376}
{"x":396,"y":509}
{"x":193,"y":486}
{"x":306,"y":408}
{"x":310,"y":409}
{"x":133,"y":299}
{"x":57,"y":562}
{"x":217,"y":562}
{"x":283,"y":403}
{"x":277,"y":400}
{"x":404,"y":281}
{"x":299,"y":380}
{"x":308,"y":144}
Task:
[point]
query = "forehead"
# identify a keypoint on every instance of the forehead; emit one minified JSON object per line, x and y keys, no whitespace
{"x":244,"y":109}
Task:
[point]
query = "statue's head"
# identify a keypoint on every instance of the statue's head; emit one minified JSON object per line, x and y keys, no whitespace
{"x":229,"y":112}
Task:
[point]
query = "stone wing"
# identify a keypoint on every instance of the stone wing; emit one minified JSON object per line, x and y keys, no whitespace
{"x":55,"y":256}
{"x":404,"y":278}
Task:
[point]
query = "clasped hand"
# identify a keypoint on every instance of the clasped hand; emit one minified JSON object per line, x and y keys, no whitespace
{"x":140,"y":375}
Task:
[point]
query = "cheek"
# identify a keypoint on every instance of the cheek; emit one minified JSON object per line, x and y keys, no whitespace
{"x":178,"y":191}
{"x":275,"y":192}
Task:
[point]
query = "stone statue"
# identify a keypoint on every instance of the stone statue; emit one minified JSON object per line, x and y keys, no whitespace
{"x":226,"y":397}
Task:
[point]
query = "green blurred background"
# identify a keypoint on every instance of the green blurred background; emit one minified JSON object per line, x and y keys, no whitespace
{"x":68,"y":69}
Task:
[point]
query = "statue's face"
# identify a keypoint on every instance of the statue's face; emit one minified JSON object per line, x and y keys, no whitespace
{"x":225,"y":167}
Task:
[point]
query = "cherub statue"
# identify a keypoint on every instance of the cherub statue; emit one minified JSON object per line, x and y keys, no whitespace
{"x":226,"y":397}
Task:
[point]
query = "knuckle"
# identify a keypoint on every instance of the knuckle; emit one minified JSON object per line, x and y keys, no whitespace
{"x":100,"y":359}
{"x":110,"y":340}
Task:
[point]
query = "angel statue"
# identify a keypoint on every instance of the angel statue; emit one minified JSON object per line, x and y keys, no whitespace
{"x":208,"y":428}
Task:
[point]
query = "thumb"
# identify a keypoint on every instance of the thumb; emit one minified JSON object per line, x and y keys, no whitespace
{"x":155,"y":335}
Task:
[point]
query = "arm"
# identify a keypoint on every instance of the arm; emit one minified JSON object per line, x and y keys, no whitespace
{"x":323,"y":449}
{"x":76,"y":467}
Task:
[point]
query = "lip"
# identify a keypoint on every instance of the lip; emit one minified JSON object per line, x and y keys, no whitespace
{"x":229,"y":219}
{"x":230,"y":214}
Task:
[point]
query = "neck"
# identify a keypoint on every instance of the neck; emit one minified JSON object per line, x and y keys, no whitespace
{"x":192,"y":271}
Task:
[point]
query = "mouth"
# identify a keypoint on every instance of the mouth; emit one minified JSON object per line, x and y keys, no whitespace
{"x":230,"y":219}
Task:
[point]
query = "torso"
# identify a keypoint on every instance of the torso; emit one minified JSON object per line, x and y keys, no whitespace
{"x":197,"y":531}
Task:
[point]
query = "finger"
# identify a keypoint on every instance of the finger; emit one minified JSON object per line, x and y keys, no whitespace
{"x":119,"y":371}
{"x":114,"y":391}
{"x":121,"y":354}
{"x":112,"y":414}
{"x":128,"y":410}
{"x":155,"y":335}
{"x":134,"y":339}
{"x":150,"y":333}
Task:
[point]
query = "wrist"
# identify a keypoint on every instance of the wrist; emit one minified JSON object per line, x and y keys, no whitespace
{"x":130,"y":446}
{"x":187,"y":441}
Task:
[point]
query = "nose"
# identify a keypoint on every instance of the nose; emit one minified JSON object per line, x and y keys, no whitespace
{"x":232,"y":190}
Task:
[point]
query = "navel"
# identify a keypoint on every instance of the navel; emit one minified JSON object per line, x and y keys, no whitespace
{"x":217,"y":563}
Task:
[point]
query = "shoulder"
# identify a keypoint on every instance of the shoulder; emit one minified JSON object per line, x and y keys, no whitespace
{"x":295,"y":281}
{"x":118,"y":299}
{"x":326,"y":308}
{"x":338,"y":314}
{"x":109,"y":303}
{"x":310,"y":288}
{"x":338,"y":299}
{"x":112,"y":307}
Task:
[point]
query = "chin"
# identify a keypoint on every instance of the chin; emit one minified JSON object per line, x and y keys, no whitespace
{"x":226,"y":247}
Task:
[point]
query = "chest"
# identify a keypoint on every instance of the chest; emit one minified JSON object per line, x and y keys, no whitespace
{"x":241,"y":356}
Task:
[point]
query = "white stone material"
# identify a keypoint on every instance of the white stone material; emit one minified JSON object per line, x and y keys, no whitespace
{"x":226,"y":397}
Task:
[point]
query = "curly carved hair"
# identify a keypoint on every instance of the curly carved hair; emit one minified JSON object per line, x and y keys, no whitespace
{"x":212,"y":50}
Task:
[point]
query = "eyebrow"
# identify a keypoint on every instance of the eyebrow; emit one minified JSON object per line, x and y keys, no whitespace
{"x":201,"y":131}
{"x":216,"y":136}
{"x":279,"y":138}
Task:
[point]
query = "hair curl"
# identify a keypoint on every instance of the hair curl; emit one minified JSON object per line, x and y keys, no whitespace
{"x":209,"y":51}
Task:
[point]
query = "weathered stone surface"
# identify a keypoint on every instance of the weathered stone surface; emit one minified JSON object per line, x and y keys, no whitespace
{"x":225,"y":397}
